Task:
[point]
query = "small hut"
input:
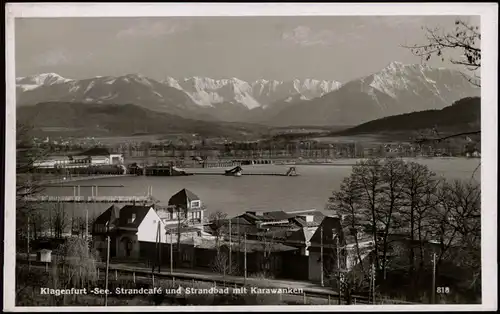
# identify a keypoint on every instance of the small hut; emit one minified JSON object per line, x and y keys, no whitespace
{"x":44,"y":255}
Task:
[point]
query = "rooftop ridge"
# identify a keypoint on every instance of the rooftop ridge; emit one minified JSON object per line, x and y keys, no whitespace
{"x":301,"y":211}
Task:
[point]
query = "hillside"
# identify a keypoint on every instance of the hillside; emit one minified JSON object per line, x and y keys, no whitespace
{"x":79,"y":119}
{"x":464,"y":115}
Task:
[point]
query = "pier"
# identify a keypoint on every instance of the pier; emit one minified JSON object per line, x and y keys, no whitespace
{"x":169,"y":170}
{"x":94,"y":198}
{"x":90,"y":199}
{"x":238,"y":171}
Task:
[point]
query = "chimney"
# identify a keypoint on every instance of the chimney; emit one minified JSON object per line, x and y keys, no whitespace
{"x":307,"y":218}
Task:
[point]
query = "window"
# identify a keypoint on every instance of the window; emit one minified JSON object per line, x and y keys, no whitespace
{"x":185,"y":256}
{"x":195,"y":204}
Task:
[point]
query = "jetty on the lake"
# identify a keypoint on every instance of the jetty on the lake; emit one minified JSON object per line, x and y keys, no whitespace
{"x":157,"y":170}
{"x":238,"y":171}
{"x":94,"y":198}
{"x":90,"y":199}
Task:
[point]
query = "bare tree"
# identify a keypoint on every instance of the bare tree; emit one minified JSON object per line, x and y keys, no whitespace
{"x":222,"y":264}
{"x":79,"y":226}
{"x":389,"y":214}
{"x":419,"y":186}
{"x":268,"y":243}
{"x":39,"y":222}
{"x":465,"y":37}
{"x":74,"y":265}
{"x":461,"y":200}
{"x":28,"y":181}
{"x":217,"y":225}
{"x":347,"y":204}
{"x":59,"y":221}
{"x":371,"y":200}
{"x":393,"y":200}
{"x":180,"y":214}
{"x":368,"y":175}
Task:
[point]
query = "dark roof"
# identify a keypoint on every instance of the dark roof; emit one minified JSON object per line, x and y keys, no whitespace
{"x":119,"y":217}
{"x":331,"y":227}
{"x":276,"y":215}
{"x":299,"y":221}
{"x":251,"y":246}
{"x":96,"y":151}
{"x":240,"y":220}
{"x":182,"y":197}
{"x":109,"y":214}
{"x":318,"y":216}
{"x":126,"y":213}
{"x":252,"y":216}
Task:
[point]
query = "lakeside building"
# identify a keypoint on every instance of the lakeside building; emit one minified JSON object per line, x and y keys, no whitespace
{"x":128,"y":227}
{"x":101,"y":156}
{"x":184,"y":208}
{"x":288,"y":228}
{"x":208,"y":254}
{"x":293,"y":245}
{"x":53,"y":162}
{"x":92,"y":157}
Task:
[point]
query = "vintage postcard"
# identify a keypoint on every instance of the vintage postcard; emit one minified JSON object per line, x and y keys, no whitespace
{"x":245,"y":157}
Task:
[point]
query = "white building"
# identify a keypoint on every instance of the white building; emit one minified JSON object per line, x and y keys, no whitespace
{"x":184,"y":206}
{"x":127,"y":227}
{"x":101,"y":156}
{"x":53,"y":161}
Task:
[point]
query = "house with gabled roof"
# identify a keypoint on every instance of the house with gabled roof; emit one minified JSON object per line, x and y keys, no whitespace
{"x":127,"y":227}
{"x":184,"y":207}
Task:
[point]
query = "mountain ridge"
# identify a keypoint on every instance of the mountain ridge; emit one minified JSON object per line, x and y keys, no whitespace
{"x":203,"y":91}
{"x":464,"y":115}
{"x":395,"y":89}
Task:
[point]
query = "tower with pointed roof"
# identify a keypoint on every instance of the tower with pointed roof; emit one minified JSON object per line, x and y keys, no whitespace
{"x":185,"y":206}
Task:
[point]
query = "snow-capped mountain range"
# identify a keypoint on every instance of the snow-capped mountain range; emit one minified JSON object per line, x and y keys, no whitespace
{"x":207,"y":91}
{"x":202,"y":91}
{"x":397,"y":88}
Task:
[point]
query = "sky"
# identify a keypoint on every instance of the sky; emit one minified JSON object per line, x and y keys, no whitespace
{"x":339,"y":48}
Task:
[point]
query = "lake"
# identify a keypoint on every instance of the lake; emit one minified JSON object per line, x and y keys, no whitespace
{"x":235,"y":195}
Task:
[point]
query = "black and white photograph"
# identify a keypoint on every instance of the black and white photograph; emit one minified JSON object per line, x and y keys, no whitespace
{"x":250,"y":156}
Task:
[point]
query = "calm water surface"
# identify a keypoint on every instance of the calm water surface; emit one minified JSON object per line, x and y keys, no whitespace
{"x":235,"y":195}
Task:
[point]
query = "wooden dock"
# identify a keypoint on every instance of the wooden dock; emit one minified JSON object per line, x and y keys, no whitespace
{"x":170,"y":170}
{"x":243,"y":174}
{"x":90,"y":199}
{"x":238,"y":171}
